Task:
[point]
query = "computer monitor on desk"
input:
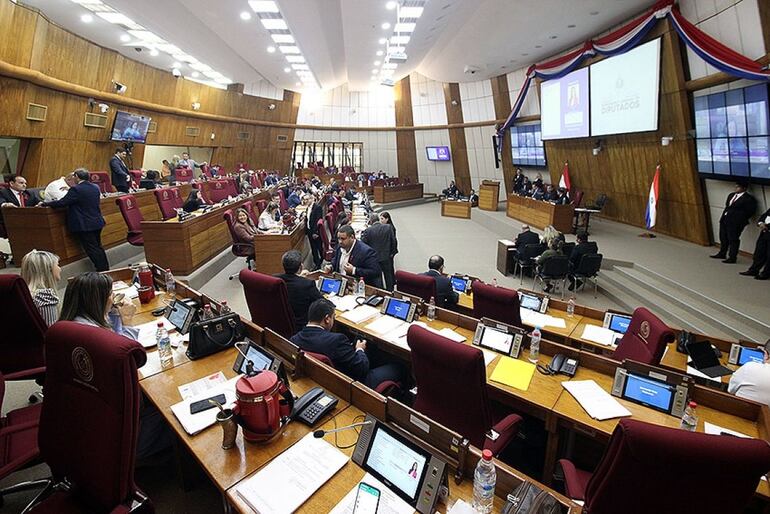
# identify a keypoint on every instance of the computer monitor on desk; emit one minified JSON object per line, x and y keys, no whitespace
{"x":740,"y":355}
{"x":533,"y":302}
{"x":460,"y":283}
{"x":617,"y":322}
{"x":656,"y":388}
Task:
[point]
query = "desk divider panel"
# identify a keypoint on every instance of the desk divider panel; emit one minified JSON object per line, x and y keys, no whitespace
{"x":368,"y":400}
{"x":329,"y":378}
{"x":285,"y":349}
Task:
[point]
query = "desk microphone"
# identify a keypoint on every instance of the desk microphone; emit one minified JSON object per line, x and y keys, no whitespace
{"x":320,"y":433}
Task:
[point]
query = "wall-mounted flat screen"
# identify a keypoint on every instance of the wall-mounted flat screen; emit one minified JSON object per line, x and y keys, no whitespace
{"x":130,"y":128}
{"x":564,"y":106}
{"x":437,"y":153}
{"x":527,"y":145}
{"x":624,"y":91}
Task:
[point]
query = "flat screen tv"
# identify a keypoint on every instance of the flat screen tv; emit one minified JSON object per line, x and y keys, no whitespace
{"x":437,"y":153}
{"x":130,"y":128}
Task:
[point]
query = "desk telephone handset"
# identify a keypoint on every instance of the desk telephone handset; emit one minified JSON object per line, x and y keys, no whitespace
{"x":313,"y":406}
{"x":373,"y":301}
{"x":560,"y":364}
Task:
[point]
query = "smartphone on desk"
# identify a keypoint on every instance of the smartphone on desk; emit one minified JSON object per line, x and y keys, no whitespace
{"x":367,"y":499}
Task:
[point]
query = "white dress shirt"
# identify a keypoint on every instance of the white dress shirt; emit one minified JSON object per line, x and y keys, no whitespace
{"x":55,"y":190}
{"x":345,"y":257}
{"x":752,"y":381}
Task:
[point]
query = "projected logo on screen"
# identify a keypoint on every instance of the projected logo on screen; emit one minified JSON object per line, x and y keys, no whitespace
{"x":564,"y":106}
{"x":623,"y":101}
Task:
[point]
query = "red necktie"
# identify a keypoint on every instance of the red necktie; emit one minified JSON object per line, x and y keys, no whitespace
{"x":22,"y":203}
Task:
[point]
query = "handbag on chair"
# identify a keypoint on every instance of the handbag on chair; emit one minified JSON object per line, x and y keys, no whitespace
{"x":528,"y":498}
{"x":214,"y":335}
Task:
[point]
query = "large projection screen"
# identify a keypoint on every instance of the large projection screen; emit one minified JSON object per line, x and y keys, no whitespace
{"x":564,"y":106}
{"x":624,"y":91}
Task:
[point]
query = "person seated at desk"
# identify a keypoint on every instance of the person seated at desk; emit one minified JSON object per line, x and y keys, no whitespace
{"x":583,"y":247}
{"x":538,"y":193}
{"x":16,"y":194}
{"x":295,"y":198}
{"x":194,"y":201}
{"x":244,"y":227}
{"x":349,"y":358}
{"x":150,"y":180}
{"x":550,"y":194}
{"x":41,"y":271}
{"x":562,"y":196}
{"x":445,"y":295}
{"x":59,"y":187}
{"x":752,"y":380}
{"x":526,"y":187}
{"x":88,"y":300}
{"x":473,"y":198}
{"x":451,"y":191}
{"x":275,"y":198}
{"x":553,"y":250}
{"x":525,"y":237}
{"x":268,"y":221}
{"x":538,"y":181}
{"x":355,"y":258}
{"x":301,"y":291}
{"x":551,"y":234}
{"x":166,"y":170}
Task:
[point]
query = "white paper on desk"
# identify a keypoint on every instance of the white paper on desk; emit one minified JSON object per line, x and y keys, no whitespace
{"x":451,"y":334}
{"x":201,"y":385}
{"x":130,"y":291}
{"x":488,"y":356}
{"x":361,"y":314}
{"x":147,"y":331}
{"x":194,"y":423}
{"x":462,"y":507}
{"x":537,"y":319}
{"x":292,"y":477}
{"x":694,"y":372}
{"x":385,"y":324}
{"x":390,"y":503}
{"x":712,"y":429}
{"x":601,"y":335}
{"x":343,"y":303}
{"x":596,"y":401}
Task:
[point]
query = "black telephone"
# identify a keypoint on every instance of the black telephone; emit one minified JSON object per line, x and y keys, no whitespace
{"x":313,"y":405}
{"x":373,"y":300}
{"x":560,"y":363}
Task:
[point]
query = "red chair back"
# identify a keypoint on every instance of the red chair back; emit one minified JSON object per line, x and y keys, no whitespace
{"x":249,"y":206}
{"x":577,"y":199}
{"x":136,"y":176}
{"x":103,"y":180}
{"x":261,"y":206}
{"x":232,"y":186}
{"x":206,"y":170}
{"x":331,"y":219}
{"x":645,"y":340}
{"x":21,"y":346}
{"x":284,"y":203}
{"x":327,"y":250}
{"x":255,"y":182}
{"x":497,"y":303}
{"x":132,"y":215}
{"x":268,"y":302}
{"x":421,"y":286}
{"x":216,"y":190}
{"x":91,"y":403}
{"x":168,"y":199}
{"x":682,"y":471}
{"x":184,"y":175}
{"x":242,"y":165}
{"x":18,"y":436}
{"x":461,"y":405}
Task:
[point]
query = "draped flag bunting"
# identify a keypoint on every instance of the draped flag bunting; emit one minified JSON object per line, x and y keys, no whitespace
{"x":651,"y":216}
{"x":625,"y":38}
{"x":564,"y":180}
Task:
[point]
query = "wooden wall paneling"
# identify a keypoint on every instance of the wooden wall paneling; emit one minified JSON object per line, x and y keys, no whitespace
{"x":17,"y":33}
{"x":502,"y":103}
{"x":406,"y":148}
{"x":459,"y":148}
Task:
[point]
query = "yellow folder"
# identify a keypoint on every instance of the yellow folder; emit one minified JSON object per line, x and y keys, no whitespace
{"x":513,"y":372}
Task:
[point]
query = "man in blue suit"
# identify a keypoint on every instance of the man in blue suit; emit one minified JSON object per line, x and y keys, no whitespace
{"x":121,"y":178}
{"x":355,"y":258}
{"x":84,"y":217}
{"x":445,"y":295}
{"x":350,"y":359}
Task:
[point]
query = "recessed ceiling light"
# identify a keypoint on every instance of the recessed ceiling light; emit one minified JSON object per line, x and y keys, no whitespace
{"x":270,"y":49}
{"x":404,"y":27}
{"x":286,"y":70}
{"x":86,"y":18}
{"x":195,"y":74}
{"x":117,"y":18}
{"x":283,"y":38}
{"x":300,"y":67}
{"x":379,"y":53}
{"x":263,"y":6}
{"x":391,"y":5}
{"x":389,"y":66}
{"x":125,"y":38}
{"x":154,"y":52}
{"x":245,"y":16}
{"x":383,"y":40}
{"x":274,"y":23}
{"x":385,"y":26}
{"x":146,"y":35}
{"x":377,"y":63}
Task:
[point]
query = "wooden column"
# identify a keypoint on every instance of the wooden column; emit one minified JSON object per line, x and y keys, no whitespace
{"x":502,"y":101}
{"x":406,"y":149}
{"x":459,"y":148}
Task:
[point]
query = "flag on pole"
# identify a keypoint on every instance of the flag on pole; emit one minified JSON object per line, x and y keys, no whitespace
{"x":652,"y":203}
{"x":564,"y":180}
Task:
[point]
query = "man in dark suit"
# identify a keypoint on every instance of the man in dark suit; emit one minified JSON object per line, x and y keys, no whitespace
{"x":121,"y":178}
{"x":350,"y":359}
{"x":526,"y":237}
{"x":451,"y":191}
{"x":84,"y":217}
{"x":739,"y":207}
{"x":302,"y":291}
{"x":760,"y":266}
{"x":315,"y":212}
{"x":16,"y":195}
{"x":383,"y":241}
{"x":445,"y":295}
{"x":518,"y":181}
{"x":583,"y":247}
{"x":355,"y":258}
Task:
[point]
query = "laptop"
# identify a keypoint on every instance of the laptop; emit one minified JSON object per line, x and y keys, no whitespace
{"x":705,"y":360}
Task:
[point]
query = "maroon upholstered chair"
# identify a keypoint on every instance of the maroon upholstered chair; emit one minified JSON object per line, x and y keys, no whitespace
{"x":216,"y":190}
{"x":249,"y":206}
{"x":331,"y":219}
{"x":268,"y":302}
{"x":232,"y":187}
{"x":255,"y":182}
{"x":136,"y":176}
{"x":497,"y":303}
{"x":645,"y":340}
{"x":242,"y":165}
{"x":421,"y":286}
{"x":91,"y":404}
{"x":283,"y":202}
{"x":680,"y":471}
{"x":132,"y":215}
{"x":577,"y":199}
{"x":21,"y":346}
{"x":327,"y":247}
{"x":168,"y":199}
{"x":103,"y":180}
{"x":452,"y":389}
{"x":261,"y":205}
{"x":385,"y":388}
{"x":184,"y":175}
{"x":206,"y":171}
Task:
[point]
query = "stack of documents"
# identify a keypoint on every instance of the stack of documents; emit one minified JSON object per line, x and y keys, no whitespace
{"x":201,"y":385}
{"x":390,"y":503}
{"x":147,"y":331}
{"x":513,"y":373}
{"x":385,"y":324}
{"x":292,"y":477}
{"x":537,"y":319}
{"x":194,"y":423}
{"x":131,"y":291}
{"x":360,"y":314}
{"x":444,"y":332}
{"x":596,"y":401}
{"x":343,"y":303}
{"x":601,"y":335}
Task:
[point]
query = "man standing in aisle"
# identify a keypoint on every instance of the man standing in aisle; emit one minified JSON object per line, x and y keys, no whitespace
{"x":739,"y":207}
{"x":186,"y":162}
{"x":121,"y":178}
{"x":760,"y":267}
{"x":383,"y":241}
{"x":84,"y":217}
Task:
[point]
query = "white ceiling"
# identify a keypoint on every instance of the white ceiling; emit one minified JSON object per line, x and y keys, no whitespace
{"x":339,"y":38}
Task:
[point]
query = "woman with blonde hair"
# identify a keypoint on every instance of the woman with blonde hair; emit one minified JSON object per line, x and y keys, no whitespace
{"x":41,"y":271}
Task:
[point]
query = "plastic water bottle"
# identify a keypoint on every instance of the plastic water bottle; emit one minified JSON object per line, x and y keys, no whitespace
{"x":361,"y":287}
{"x":571,"y":307}
{"x":170,"y":284}
{"x":431,"y":309}
{"x":484,"y":479}
{"x":690,"y":418}
{"x":164,"y":346}
{"x":534,"y":345}
{"x":224,"y":309}
{"x":494,"y":282}
{"x":207,"y":314}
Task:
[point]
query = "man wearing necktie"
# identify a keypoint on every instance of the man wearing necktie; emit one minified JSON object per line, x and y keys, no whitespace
{"x":739,"y":207}
{"x":16,"y":195}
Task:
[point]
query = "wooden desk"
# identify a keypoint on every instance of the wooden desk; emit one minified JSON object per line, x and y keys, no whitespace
{"x":505,"y":256}
{"x":540,"y":214}
{"x":489,"y":195}
{"x":44,"y":228}
{"x":269,"y":248}
{"x":384,"y":194}
{"x":456,"y":209}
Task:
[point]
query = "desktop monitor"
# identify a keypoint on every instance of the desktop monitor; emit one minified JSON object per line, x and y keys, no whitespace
{"x":617,"y":322}
{"x":459,"y":284}
{"x":650,"y":393}
{"x":331,"y":286}
{"x":530,"y":301}
{"x":399,"y":309}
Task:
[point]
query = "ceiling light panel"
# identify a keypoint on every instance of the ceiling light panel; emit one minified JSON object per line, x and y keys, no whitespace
{"x":399,"y":40}
{"x":404,"y":27}
{"x":274,"y":23}
{"x":283,"y":38}
{"x":289,"y":49}
{"x":410,"y":12}
{"x":407,"y":16}
{"x":119,"y":19}
{"x":263,"y":6}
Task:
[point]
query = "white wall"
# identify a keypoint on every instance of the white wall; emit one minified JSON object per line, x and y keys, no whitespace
{"x":481,"y":158}
{"x":264,"y":89}
{"x":428,"y":106}
{"x":339,"y":107}
{"x":532,"y":102}
{"x":435,"y":175}
{"x":379,"y":146}
{"x":476,"y":101}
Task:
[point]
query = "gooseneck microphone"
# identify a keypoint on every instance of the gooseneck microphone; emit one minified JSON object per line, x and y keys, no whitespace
{"x":320,"y":433}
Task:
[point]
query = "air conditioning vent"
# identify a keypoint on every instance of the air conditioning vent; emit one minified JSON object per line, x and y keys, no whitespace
{"x":37,"y":112}
{"x":95,"y":120}
{"x":152,"y":127}
{"x":192,"y":131}
{"x":282,"y":138}
{"x":244,"y":136}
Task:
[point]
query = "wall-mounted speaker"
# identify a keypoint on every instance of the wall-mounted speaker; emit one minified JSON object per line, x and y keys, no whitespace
{"x":192,"y":131}
{"x":95,"y":120}
{"x":37,"y":112}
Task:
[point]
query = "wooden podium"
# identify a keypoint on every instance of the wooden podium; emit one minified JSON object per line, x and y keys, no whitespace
{"x":489,"y":194}
{"x":456,"y":209}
